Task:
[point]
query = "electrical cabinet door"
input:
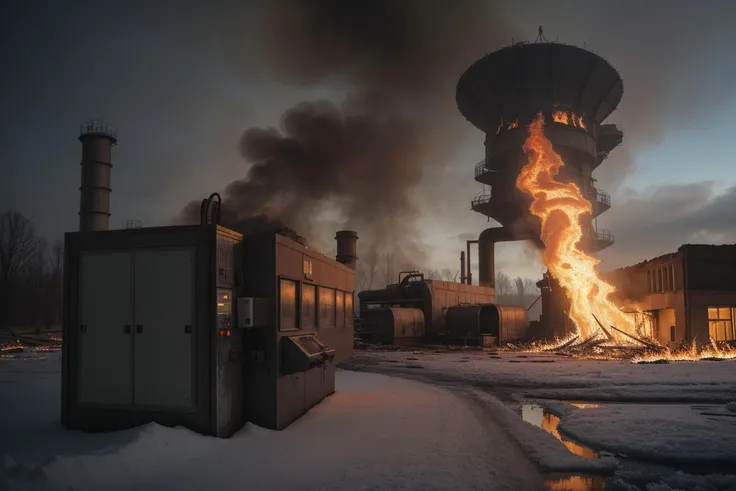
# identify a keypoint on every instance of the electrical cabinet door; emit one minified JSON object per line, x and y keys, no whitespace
{"x":164,"y":328}
{"x":104,"y":330}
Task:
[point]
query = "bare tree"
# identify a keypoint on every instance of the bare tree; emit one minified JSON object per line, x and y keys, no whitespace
{"x":503,"y":285}
{"x":530,"y":287}
{"x":365,"y":274}
{"x":18,"y":247}
{"x":449,"y":275}
{"x":520,"y":286}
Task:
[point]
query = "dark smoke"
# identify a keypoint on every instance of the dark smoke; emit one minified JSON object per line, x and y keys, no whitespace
{"x":399,"y":61}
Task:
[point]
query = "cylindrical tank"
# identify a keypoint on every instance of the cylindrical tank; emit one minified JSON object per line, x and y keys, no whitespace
{"x":469,"y":322}
{"x":94,"y":205}
{"x":394,"y":325}
{"x":347,"y":248}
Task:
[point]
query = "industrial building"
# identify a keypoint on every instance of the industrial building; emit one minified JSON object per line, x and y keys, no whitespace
{"x":684,"y":296}
{"x":500,"y":94}
{"x":417,"y":310}
{"x":195,"y":325}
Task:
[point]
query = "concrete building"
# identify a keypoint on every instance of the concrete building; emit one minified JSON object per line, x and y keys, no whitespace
{"x":684,"y":296}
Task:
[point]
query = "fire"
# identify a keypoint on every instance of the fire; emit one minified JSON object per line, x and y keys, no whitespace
{"x":561,"y":117}
{"x":560,"y":206}
{"x":710,"y":352}
{"x":513,"y":124}
{"x":568,"y":118}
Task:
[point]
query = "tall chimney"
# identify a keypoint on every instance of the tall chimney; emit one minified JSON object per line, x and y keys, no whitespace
{"x":347,"y":247}
{"x":94,"y":205}
{"x":462,"y":266}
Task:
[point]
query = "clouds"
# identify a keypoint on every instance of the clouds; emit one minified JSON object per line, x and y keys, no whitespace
{"x":657,"y":221}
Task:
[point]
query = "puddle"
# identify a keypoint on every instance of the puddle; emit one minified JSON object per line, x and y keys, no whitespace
{"x":575,"y":483}
{"x":535,"y":414}
{"x":647,"y":472}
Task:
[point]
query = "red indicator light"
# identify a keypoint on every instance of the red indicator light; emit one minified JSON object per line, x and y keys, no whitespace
{"x":222,"y":333}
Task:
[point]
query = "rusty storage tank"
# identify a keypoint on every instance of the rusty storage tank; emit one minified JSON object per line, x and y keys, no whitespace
{"x":467,"y":323}
{"x":394,"y":325}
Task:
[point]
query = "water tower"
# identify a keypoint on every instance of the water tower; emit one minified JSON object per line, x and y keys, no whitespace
{"x":500,"y":94}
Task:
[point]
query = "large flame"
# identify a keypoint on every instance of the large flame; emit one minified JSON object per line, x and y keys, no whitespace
{"x":560,"y":207}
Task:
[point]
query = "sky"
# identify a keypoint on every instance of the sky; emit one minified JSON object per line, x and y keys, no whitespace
{"x":182,"y":82}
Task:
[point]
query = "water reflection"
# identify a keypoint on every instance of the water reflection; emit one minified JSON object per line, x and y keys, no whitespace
{"x":535,"y":414}
{"x":550,"y":422}
{"x":576,"y":483}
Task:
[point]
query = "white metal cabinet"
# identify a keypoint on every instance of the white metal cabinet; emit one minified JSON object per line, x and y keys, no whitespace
{"x":164,"y":323}
{"x":105,"y":318}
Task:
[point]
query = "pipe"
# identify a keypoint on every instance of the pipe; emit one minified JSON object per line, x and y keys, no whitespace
{"x":347,"y":248}
{"x":487,"y":255}
{"x":469,"y":274}
{"x":462,"y":266}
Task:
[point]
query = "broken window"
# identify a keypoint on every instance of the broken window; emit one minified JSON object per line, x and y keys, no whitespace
{"x":720,"y":323}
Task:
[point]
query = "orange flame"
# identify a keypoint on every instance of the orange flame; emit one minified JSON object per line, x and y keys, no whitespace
{"x":568,"y":118}
{"x":561,"y":117}
{"x":513,"y":124}
{"x":559,"y":206}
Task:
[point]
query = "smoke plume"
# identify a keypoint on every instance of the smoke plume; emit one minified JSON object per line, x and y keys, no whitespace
{"x":399,"y":62}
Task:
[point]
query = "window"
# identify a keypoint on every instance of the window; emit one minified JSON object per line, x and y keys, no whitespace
{"x":660,"y":286}
{"x":720,"y":323}
{"x":349,"y":309}
{"x":672,"y":333}
{"x":326,"y":307}
{"x":649,"y":281}
{"x":340,"y":309}
{"x":309,"y":311}
{"x":287,"y":310}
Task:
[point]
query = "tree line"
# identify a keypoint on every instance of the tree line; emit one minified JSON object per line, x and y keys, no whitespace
{"x":30,"y":274}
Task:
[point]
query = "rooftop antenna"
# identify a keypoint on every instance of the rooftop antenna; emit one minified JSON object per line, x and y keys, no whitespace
{"x":540,"y":36}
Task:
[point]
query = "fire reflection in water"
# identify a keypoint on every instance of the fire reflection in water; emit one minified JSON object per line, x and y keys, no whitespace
{"x":549,"y":422}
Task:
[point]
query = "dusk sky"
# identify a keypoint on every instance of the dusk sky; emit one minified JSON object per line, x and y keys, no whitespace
{"x":182,"y":83}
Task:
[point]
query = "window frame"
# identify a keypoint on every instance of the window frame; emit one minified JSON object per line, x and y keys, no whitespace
{"x":297,"y":304}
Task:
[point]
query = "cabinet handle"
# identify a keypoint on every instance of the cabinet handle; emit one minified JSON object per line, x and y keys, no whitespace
{"x":126,"y":329}
{"x":83,"y":328}
{"x":139,"y":328}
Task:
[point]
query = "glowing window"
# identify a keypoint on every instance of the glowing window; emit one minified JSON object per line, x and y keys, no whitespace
{"x":309,"y":307}
{"x":326,"y":307}
{"x":287,"y":295}
{"x":720,"y":323}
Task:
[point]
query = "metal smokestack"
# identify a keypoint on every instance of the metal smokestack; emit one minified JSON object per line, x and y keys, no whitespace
{"x":462,"y":266}
{"x":97,"y":139}
{"x":347,"y":247}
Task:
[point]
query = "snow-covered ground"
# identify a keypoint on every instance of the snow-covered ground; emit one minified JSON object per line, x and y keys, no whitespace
{"x":375,"y":433}
{"x":654,"y":419}
{"x":462,"y":430}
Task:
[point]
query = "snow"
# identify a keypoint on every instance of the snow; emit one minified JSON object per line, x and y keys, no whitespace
{"x":668,"y":433}
{"x":678,"y":416}
{"x":544,"y":449}
{"x":560,"y":377}
{"x":375,"y":432}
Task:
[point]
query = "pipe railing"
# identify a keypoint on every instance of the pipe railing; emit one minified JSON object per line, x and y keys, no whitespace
{"x":480,"y":199}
